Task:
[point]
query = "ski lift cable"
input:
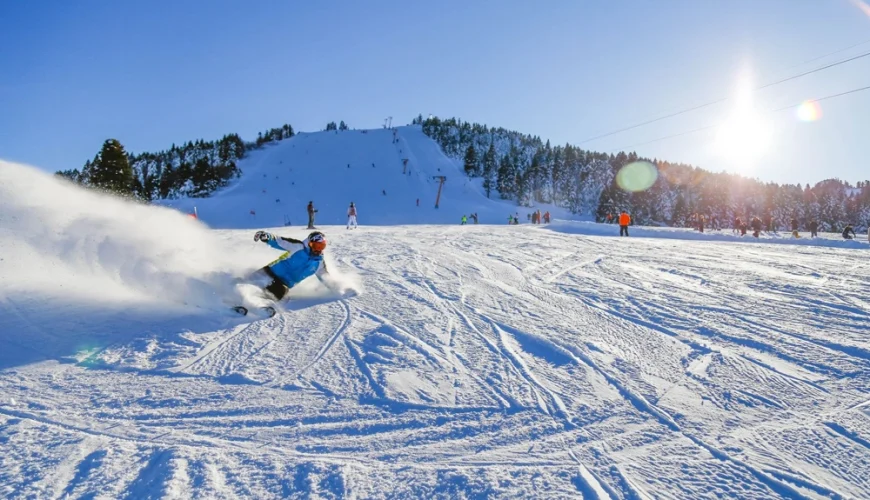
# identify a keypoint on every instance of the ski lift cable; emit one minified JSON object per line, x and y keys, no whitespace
{"x":717,"y":101}
{"x":700,"y":129}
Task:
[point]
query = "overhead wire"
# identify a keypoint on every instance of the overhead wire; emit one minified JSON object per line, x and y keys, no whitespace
{"x":700,"y":129}
{"x":717,"y":101}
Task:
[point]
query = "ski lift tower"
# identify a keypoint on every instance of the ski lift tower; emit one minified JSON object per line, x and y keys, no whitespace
{"x":441,"y":180}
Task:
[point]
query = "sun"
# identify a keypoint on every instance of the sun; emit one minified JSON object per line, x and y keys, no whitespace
{"x":744,"y":137}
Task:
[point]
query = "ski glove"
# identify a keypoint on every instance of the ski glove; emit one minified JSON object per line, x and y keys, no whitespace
{"x":263,"y":236}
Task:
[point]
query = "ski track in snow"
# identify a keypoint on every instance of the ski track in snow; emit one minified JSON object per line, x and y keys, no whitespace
{"x":480,"y":361}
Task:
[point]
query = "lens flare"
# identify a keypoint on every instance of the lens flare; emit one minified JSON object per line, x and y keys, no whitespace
{"x":637,"y":176}
{"x":863,"y":6}
{"x":809,"y":111}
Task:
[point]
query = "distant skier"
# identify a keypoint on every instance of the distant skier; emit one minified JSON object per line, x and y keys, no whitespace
{"x":700,"y":223}
{"x":311,"y":212}
{"x":794,"y":225}
{"x":624,"y":221}
{"x":738,"y":226}
{"x":474,"y":217}
{"x":464,"y":220}
{"x":547,"y":217}
{"x":290,"y":269}
{"x":756,"y":226}
{"x":814,"y":228}
{"x":418,"y":202}
{"x":351,"y":216}
{"x":849,"y":233}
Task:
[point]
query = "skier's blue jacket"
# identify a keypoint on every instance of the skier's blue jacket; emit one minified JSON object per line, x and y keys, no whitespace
{"x":295,"y":267}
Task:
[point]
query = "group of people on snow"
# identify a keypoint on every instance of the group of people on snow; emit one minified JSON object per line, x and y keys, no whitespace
{"x":536,"y":217}
{"x":351,"y":215}
{"x":473,"y":217}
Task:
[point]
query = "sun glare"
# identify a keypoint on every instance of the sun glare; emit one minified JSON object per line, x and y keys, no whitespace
{"x":745,"y":135}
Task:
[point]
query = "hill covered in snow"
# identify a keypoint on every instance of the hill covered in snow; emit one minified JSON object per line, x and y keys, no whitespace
{"x":383,"y":171}
{"x":454,"y":362}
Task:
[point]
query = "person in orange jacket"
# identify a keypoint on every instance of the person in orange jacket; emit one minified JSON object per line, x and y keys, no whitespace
{"x":624,"y":221}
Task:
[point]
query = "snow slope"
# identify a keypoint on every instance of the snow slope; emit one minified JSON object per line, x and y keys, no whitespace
{"x":473,"y":361}
{"x":832,"y":240}
{"x":279,"y":180}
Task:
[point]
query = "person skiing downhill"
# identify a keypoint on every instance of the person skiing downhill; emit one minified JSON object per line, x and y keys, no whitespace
{"x":351,"y":216}
{"x":290,"y":269}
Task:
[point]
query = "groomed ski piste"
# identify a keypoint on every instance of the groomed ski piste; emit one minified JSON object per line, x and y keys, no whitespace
{"x":446,"y":361}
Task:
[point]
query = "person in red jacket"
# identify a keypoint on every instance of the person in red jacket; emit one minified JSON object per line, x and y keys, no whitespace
{"x":624,"y":221}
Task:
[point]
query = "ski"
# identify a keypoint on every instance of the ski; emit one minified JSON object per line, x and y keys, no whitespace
{"x":242,"y":310}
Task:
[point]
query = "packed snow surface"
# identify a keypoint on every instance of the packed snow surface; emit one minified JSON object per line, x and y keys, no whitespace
{"x":450,"y":362}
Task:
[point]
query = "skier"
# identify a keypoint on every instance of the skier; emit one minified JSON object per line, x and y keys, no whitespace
{"x":547,"y":217}
{"x":351,"y":216}
{"x":794,"y":225}
{"x":738,"y":226}
{"x":464,"y":220}
{"x":624,"y":221}
{"x":756,"y":226}
{"x":311,"y":212}
{"x":849,"y":233}
{"x":291,"y":268}
{"x":700,"y":223}
{"x":814,"y":228}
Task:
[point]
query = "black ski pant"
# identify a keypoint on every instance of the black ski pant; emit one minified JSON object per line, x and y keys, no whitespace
{"x":276,"y":287}
{"x":623,"y":230}
{"x":310,"y":221}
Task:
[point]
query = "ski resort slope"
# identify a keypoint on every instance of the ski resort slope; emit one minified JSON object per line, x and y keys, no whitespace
{"x":459,"y":362}
{"x":335,"y":168}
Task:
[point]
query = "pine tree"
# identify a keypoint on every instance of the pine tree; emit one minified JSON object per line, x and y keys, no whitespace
{"x":470,"y":161}
{"x":342,"y":126}
{"x":111,"y":170}
{"x":506,"y":178}
{"x":72,"y":175}
{"x":489,"y":169}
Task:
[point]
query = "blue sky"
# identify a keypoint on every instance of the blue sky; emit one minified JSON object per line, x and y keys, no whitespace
{"x":153,"y":73}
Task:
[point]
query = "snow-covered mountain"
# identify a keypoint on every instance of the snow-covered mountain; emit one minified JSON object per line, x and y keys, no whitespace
{"x":450,"y":362}
{"x":333,"y":168}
